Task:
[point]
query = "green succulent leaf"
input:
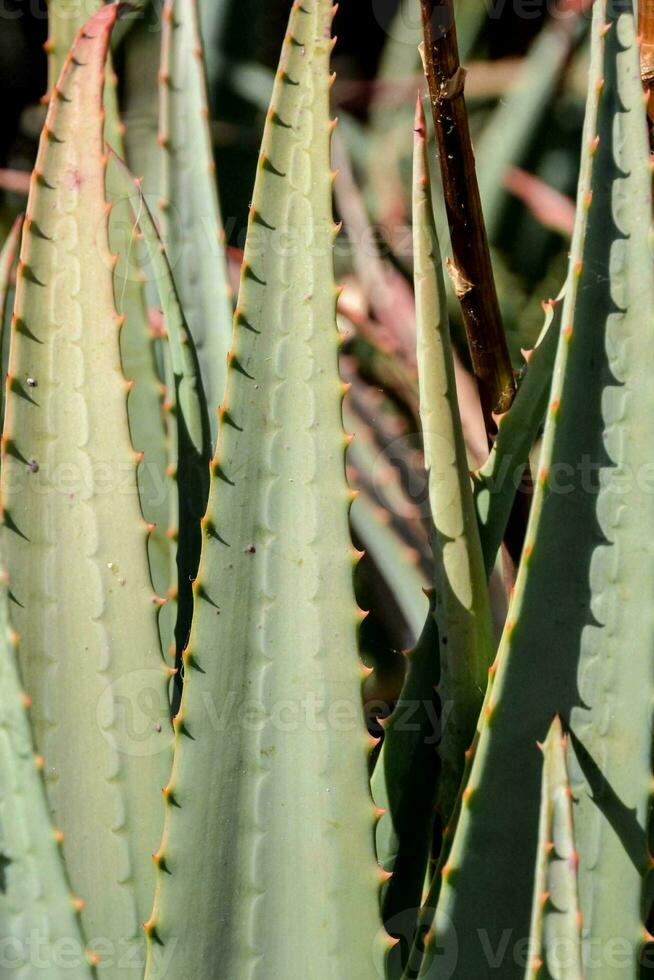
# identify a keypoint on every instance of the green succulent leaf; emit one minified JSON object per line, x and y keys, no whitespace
{"x":74,"y":536}
{"x":145,"y":401}
{"x":193,"y":230}
{"x":462,"y":600}
{"x":38,"y":916}
{"x":579,"y":635}
{"x":496,"y":483}
{"x":555,"y":944}
{"x":65,"y":19}
{"x":186,"y":396}
{"x":141,"y":56}
{"x":8,"y":257}
{"x":264,"y":775}
{"x":404,"y":785}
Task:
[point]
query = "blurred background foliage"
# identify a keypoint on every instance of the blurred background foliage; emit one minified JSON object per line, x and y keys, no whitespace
{"x":527,"y":66}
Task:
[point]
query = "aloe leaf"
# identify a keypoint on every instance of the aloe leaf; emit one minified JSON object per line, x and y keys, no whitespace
{"x":8,"y":257}
{"x":462,"y":601}
{"x":273,"y":796}
{"x":454,"y":652}
{"x":38,"y":912}
{"x":7,"y":260}
{"x":193,"y":449}
{"x":65,"y":19}
{"x":73,"y":534}
{"x":496,"y":483}
{"x":579,"y":634}
{"x":145,"y":402}
{"x":141,"y":52}
{"x":193,"y":230}
{"x":555,"y":948}
{"x":404,"y":785}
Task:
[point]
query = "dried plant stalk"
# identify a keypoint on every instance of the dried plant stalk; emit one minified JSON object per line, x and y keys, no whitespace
{"x":470,"y":269}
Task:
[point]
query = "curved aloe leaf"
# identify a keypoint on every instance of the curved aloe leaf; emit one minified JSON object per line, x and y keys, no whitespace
{"x":141,"y":51}
{"x":496,"y":483}
{"x":270,"y":785}
{"x":145,"y":402}
{"x":579,"y":636}
{"x":555,"y":948}
{"x":193,"y":450}
{"x":8,"y":257}
{"x":75,"y":540}
{"x":404,"y":786}
{"x":462,"y":601}
{"x":193,"y":230}
{"x":455,"y":649}
{"x":38,"y":913}
{"x":7,"y":261}
{"x":65,"y":19}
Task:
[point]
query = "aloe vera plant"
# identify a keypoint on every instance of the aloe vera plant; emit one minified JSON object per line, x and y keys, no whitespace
{"x":192,"y":785}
